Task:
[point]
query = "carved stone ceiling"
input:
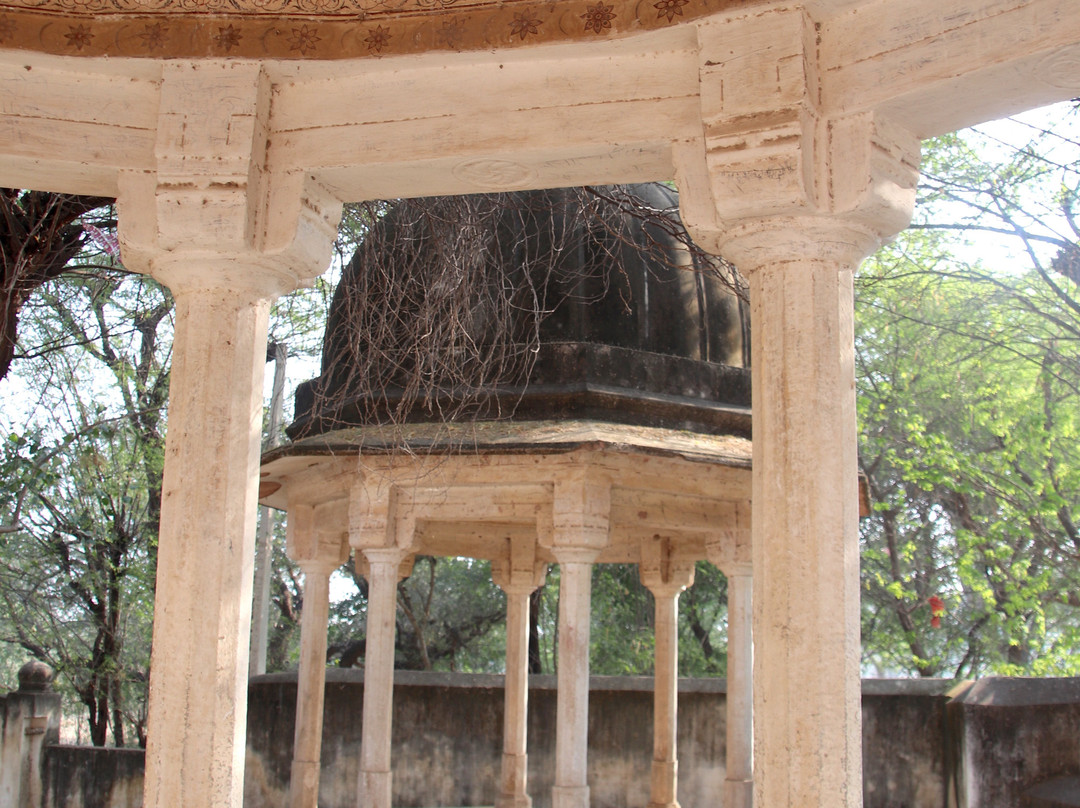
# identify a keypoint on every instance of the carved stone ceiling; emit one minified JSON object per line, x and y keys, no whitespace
{"x":324,"y":29}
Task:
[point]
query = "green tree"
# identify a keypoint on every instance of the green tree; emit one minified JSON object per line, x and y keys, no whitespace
{"x":969,"y":377}
{"x":77,"y":566}
{"x":40,"y":234}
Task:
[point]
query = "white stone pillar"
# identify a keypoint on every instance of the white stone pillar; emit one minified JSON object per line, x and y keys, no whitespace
{"x":580,"y":529}
{"x":383,"y":573}
{"x":730,"y":550}
{"x":795,"y":194}
{"x":198,"y":688}
{"x":666,"y":579}
{"x":227,"y":236}
{"x":518,"y":584}
{"x":264,"y":536}
{"x":805,"y":531}
{"x":317,"y":559}
{"x":739,"y":781}
{"x":571,"y":789}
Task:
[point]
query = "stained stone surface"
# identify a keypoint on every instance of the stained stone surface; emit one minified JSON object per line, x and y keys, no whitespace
{"x":324,"y":29}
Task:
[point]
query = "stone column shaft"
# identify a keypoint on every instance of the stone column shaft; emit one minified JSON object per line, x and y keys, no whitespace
{"x":375,"y":774}
{"x":513,"y":792}
{"x":665,"y":766}
{"x":739,"y":782}
{"x":198,"y":688}
{"x":311,"y":685}
{"x":666,"y":577}
{"x":571,"y":789}
{"x":805,"y":535}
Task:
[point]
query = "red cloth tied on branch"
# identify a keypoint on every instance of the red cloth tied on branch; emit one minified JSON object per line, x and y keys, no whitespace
{"x":937,"y":609}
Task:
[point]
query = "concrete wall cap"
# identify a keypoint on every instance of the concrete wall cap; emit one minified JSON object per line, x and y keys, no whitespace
{"x":1016,"y":692}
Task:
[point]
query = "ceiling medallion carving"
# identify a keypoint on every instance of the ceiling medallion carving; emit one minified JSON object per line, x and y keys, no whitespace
{"x":504,"y":175}
{"x":323,"y":29}
{"x":1061,"y":69}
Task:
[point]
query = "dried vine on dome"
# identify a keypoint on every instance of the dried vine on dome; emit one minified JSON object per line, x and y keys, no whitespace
{"x":444,"y":299}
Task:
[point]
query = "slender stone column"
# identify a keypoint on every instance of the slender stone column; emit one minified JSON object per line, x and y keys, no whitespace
{"x":311,"y":685}
{"x":518,"y":586}
{"x":571,"y":789}
{"x":317,"y":560}
{"x":264,"y":536}
{"x":198,"y":692}
{"x":581,"y":524}
{"x":805,"y":527}
{"x":666,"y":580}
{"x":384,"y":565}
{"x":739,"y":782}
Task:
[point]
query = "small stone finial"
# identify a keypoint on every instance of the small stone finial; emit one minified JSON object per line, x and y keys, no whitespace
{"x":35,"y":677}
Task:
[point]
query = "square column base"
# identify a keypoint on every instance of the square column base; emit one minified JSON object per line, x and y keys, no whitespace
{"x":375,"y":789}
{"x":569,"y":797}
{"x":738,"y":794}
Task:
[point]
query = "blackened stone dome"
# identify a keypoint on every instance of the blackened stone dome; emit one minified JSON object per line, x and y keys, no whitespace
{"x":633,"y":332}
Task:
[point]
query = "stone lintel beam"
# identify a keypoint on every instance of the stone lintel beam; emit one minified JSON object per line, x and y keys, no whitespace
{"x":941,"y":66}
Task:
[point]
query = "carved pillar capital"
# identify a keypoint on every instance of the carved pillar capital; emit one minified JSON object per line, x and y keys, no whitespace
{"x":214,"y":214}
{"x":373,"y":560}
{"x":776,"y":175}
{"x":662,"y":572}
{"x":581,"y":514}
{"x":520,"y":573}
{"x":730,"y":551}
{"x":313,"y":546}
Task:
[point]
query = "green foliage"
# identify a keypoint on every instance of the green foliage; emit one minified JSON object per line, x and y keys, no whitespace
{"x":969,"y":399}
{"x":81,"y":492}
{"x":621,"y":633}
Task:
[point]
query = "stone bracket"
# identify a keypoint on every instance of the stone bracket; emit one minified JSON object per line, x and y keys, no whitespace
{"x":519,"y":571}
{"x":210,"y":215}
{"x":729,"y":551}
{"x":314,"y":534}
{"x":771,"y":158}
{"x":581,"y":509}
{"x":661,"y":570}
